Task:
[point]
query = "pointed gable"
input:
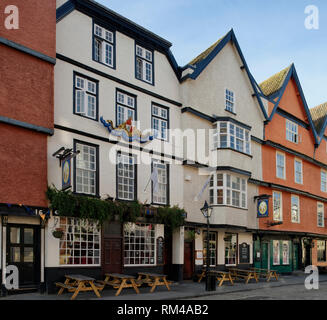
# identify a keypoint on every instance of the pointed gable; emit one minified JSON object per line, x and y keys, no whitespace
{"x":319,"y":118}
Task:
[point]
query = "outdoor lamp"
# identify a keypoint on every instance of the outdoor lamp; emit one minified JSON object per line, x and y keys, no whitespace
{"x":206,"y":210}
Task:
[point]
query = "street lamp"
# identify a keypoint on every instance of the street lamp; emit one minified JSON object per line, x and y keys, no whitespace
{"x":206,"y":211}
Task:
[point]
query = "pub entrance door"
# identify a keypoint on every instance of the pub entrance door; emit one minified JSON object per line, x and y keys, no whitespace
{"x":23,"y":251}
{"x":265,"y":260}
{"x":188,"y":260}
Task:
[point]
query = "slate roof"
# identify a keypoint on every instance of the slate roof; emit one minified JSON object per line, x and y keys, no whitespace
{"x":275,"y":82}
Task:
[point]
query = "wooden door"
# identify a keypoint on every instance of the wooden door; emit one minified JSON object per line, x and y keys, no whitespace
{"x":188,"y":260}
{"x":265,"y":263}
{"x":112,"y":259}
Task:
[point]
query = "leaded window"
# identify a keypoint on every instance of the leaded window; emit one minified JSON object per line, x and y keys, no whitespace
{"x":126,"y":177}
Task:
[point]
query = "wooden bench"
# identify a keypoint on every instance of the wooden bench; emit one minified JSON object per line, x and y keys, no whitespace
{"x":201,"y":275}
{"x":153,"y":280}
{"x":77,"y":284}
{"x":247,"y":275}
{"x":265,"y":273}
{"x":222,"y":276}
{"x":120,"y":282}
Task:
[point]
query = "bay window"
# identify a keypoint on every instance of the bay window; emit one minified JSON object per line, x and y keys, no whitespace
{"x":229,"y":190}
{"x":230,"y":135}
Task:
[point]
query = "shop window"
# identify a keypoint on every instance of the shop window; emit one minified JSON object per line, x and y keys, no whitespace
{"x":80,"y":244}
{"x":321,"y":251}
{"x":276,"y":252}
{"x":212,"y":248}
{"x":286,"y":252}
{"x":230,"y":249}
{"x":139,"y":244}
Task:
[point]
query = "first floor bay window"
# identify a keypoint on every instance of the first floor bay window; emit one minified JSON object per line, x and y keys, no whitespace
{"x":230,"y":135}
{"x":229,"y":190}
{"x":139,"y":244}
{"x":80,"y":244}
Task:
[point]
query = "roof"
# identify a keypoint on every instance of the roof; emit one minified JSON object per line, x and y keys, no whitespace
{"x":318,"y":115}
{"x":275,"y":82}
{"x":205,"y":53}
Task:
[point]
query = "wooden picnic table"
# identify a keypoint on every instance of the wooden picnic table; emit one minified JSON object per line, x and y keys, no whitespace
{"x":222,"y":276}
{"x":201,"y":275}
{"x":120,"y":281}
{"x":247,"y":275}
{"x":78,"y":283}
{"x":268,"y":274}
{"x":153,"y":280}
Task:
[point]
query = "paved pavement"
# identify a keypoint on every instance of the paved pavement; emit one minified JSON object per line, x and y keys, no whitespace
{"x":289,"y":285}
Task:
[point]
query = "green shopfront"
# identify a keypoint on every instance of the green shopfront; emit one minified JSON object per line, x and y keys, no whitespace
{"x":280,"y":253}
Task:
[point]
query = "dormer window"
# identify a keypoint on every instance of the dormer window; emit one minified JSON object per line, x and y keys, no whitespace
{"x":292,"y":131}
{"x":143,"y":64}
{"x":103,"y":50}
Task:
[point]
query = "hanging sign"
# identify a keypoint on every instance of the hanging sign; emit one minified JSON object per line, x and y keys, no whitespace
{"x":263,"y":211}
{"x":66,"y":173}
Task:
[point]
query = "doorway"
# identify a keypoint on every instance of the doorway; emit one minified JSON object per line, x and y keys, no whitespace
{"x":23,"y":251}
{"x":188,"y":260}
{"x":265,"y":260}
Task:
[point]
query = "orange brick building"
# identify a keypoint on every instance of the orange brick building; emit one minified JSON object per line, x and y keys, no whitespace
{"x":293,"y":165}
{"x":27,"y":59}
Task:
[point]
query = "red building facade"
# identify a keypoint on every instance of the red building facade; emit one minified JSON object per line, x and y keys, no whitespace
{"x":293,"y":166}
{"x":27,"y":59}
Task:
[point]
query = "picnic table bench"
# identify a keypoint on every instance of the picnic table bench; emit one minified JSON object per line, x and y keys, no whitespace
{"x":120,"y":281}
{"x":79,"y":283}
{"x":201,"y":275}
{"x":247,"y":275}
{"x":153,"y":280}
{"x":268,"y":274}
{"x":222,"y":276}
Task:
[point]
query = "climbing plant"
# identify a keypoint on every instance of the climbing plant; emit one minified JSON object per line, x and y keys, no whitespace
{"x":66,"y":203}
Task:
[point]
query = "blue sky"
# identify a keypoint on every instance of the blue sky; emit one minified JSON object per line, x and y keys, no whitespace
{"x":271,"y":34}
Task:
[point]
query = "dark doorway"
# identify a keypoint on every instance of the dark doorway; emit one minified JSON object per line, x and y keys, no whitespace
{"x":112,"y":248}
{"x":23,"y":251}
{"x":188,"y":260}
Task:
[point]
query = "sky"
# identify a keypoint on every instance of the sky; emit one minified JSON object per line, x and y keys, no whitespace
{"x":271,"y":34}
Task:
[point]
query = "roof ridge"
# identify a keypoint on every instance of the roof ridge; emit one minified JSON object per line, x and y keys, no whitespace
{"x":275,"y":82}
{"x":204,"y":54}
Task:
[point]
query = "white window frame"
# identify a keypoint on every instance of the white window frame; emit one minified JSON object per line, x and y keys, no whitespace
{"x":236,"y":253}
{"x":323,"y":181}
{"x":212,"y":246}
{"x":230,"y":99}
{"x":84,"y":90}
{"x":84,"y":168}
{"x":69,"y":236}
{"x":292,"y":131}
{"x":234,"y":136}
{"x":227,"y":190}
{"x":105,"y":39}
{"x":320,"y":211}
{"x":145,"y":57}
{"x":160,"y":117}
{"x":124,"y":174}
{"x":125,"y":107}
{"x":297,"y":203}
{"x":163,"y":181}
{"x":280,"y":206}
{"x":277,"y":166}
{"x":136,"y":241}
{"x":297,"y":172}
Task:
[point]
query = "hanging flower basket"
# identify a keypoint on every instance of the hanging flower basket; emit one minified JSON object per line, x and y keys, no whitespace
{"x":58,"y":233}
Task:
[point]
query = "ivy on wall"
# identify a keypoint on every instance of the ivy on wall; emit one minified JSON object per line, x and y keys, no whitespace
{"x":69,"y":204}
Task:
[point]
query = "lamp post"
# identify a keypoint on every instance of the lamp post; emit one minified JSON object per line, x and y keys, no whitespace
{"x":206,"y":211}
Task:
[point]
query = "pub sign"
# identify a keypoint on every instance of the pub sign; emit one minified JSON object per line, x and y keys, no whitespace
{"x":263,"y":211}
{"x":66,"y":173}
